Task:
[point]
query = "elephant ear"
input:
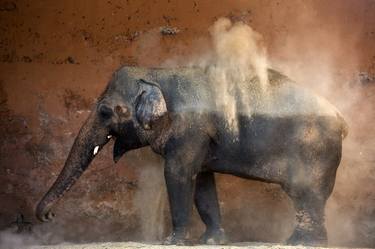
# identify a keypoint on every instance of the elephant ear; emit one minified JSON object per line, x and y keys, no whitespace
{"x":150,"y":104}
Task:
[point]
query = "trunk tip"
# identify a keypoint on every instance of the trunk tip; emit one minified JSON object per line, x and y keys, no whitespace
{"x":44,"y":215}
{"x":47,"y":217}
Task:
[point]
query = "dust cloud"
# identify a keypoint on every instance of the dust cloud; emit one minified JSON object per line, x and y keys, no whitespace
{"x":237,"y":57}
{"x":150,"y":199}
{"x":12,"y":238}
{"x":238,"y":52}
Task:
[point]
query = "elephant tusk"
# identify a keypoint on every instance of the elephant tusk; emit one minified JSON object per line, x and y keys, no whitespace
{"x":109,"y":136}
{"x":96,"y":149}
{"x":146,"y":127}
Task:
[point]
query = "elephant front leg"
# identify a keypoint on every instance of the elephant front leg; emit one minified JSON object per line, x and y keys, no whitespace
{"x":208,"y":208}
{"x":182,"y":162}
{"x":180,"y":191}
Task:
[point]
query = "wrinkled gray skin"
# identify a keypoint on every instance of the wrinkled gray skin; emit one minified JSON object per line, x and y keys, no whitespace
{"x":293,"y":140}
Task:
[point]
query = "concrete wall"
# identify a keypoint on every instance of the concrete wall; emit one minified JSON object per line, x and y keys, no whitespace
{"x":57,"y":56}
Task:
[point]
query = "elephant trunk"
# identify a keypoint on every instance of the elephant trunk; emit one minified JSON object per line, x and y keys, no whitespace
{"x":91,"y":138}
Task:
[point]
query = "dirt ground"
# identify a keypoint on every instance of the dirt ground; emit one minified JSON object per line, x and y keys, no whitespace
{"x":57,"y":56}
{"x":133,"y":245}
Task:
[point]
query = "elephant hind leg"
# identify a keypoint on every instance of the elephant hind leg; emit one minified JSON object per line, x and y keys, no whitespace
{"x":310,"y":229}
{"x":309,"y":198}
{"x":208,"y":208}
{"x":310,"y":185}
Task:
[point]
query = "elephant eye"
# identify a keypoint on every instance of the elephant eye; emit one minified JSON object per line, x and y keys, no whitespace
{"x":105,"y":112}
{"x":119,"y":109}
{"x":122,"y":111}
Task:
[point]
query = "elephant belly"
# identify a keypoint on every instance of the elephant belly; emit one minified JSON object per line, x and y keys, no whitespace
{"x":269,"y":148}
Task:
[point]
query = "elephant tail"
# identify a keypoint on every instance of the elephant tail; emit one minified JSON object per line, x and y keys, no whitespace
{"x":344,"y":126}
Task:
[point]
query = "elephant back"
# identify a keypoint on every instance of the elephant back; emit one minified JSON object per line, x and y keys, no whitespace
{"x":284,"y":97}
{"x":186,"y":90}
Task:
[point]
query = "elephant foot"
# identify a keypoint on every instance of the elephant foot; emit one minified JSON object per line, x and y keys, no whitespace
{"x":177,"y":239}
{"x":214,"y":237}
{"x":316,"y":237}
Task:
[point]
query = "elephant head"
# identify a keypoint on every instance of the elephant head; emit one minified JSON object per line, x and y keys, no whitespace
{"x":126,"y":112}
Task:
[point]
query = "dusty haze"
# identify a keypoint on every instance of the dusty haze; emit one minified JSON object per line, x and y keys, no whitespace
{"x":56,"y":58}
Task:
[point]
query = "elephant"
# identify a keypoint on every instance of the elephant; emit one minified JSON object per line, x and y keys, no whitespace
{"x":292,"y":137}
